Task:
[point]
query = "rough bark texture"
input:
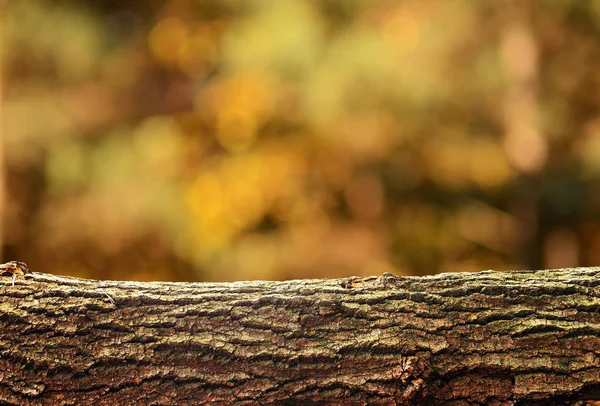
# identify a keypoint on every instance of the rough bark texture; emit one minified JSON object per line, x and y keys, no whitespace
{"x":500,"y":338}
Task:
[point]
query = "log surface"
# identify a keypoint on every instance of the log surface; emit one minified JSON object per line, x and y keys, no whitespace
{"x":503,"y":338}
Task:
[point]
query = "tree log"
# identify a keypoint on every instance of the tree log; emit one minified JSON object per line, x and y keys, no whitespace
{"x":502,"y":338}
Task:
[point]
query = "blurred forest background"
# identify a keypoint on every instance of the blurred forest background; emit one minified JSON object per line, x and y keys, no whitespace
{"x":257,"y":139}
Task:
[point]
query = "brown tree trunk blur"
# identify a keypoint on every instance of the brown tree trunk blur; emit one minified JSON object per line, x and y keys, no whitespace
{"x":502,"y":338}
{"x":2,"y":168}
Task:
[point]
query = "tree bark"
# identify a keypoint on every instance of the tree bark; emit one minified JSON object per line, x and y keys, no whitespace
{"x":502,"y":338}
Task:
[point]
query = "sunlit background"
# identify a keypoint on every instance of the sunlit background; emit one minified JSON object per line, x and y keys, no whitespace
{"x":257,"y":139}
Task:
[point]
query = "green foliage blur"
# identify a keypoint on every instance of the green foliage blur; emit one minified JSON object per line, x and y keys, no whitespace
{"x":229,"y":140}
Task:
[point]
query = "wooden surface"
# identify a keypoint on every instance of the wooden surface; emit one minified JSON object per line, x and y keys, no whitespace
{"x":501,"y":338}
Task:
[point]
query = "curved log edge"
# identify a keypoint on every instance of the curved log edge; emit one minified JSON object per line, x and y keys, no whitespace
{"x":502,"y":338}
